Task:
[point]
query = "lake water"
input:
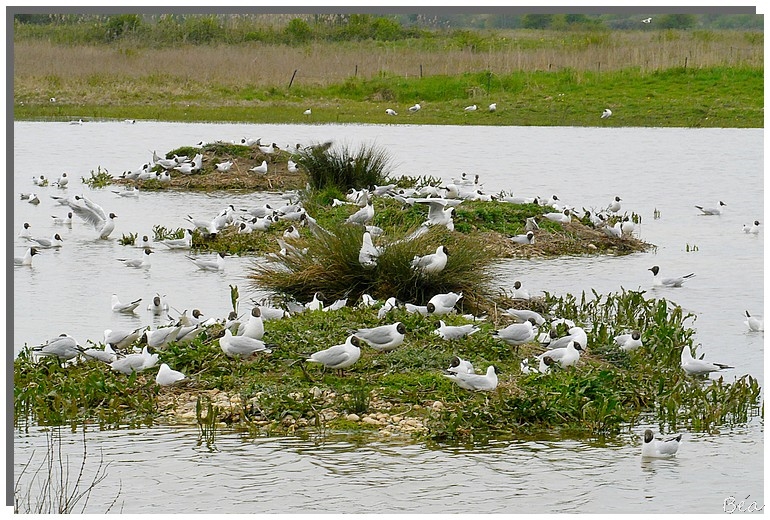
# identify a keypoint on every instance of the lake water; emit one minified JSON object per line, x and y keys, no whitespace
{"x":669,"y":170}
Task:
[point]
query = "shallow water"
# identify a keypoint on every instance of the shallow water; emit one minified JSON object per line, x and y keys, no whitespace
{"x":670,"y":170}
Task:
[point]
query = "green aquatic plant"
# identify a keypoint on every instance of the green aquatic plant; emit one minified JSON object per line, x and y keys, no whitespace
{"x":128,"y":240}
{"x":98,"y":179}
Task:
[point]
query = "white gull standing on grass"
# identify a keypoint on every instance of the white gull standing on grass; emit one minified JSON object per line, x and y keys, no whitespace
{"x":476,"y":382}
{"x":338,"y":357}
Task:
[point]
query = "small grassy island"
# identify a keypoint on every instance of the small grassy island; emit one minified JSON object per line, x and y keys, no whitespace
{"x":404,"y":391}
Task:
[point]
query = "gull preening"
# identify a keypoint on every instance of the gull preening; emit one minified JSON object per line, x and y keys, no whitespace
{"x":368,"y":254}
{"x":712,"y":211}
{"x":656,"y":448}
{"x":668,"y":282}
{"x":127,"y":308}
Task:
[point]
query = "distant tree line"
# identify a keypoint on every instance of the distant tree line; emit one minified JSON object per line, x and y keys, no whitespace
{"x":299,"y":29}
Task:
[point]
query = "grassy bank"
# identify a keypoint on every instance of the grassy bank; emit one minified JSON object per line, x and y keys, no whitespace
{"x":688,"y":79}
{"x":404,"y":391}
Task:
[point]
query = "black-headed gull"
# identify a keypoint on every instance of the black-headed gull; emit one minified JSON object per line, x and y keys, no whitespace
{"x":158,"y":305}
{"x":414,"y":108}
{"x":459,"y":365}
{"x":63,"y":347}
{"x":712,"y":211}
{"x":338,"y":357}
{"x":432,"y":263}
{"x":754,"y":229}
{"x":62,"y":221}
{"x":383,"y":338}
{"x":45,"y":243}
{"x":563,"y":217}
{"x":470,"y":108}
{"x":254,"y":328}
{"x":390,"y":304}
{"x":161,"y":336}
{"x":630,"y":341}
{"x":308,"y":112}
{"x":519,"y":292}
{"x":517,"y":334}
{"x":291,"y":166}
{"x":217,"y":264}
{"x":476,"y":382}
{"x":443,"y":303}
{"x":529,"y":238}
{"x":754,"y":323}
{"x":606,"y":113}
{"x":614,"y":206}
{"x":363,"y":216}
{"x":105,"y":355}
{"x":25,"y":232}
{"x":647,"y":20}
{"x":62,"y":181}
{"x":655,"y":448}
{"x":136,"y":362}
{"x":668,"y":282}
{"x":416,"y":309}
{"x":179,"y":243}
{"x":261,"y":169}
{"x":137,"y":263}
{"x":565,"y":356}
{"x":368,"y":253}
{"x":698,"y":366}
{"x":121,"y":339}
{"x":224,"y":166}
{"x":166,"y":376}
{"x":450,"y":332}
{"x":391,"y":112}
{"x":127,"y":308}
{"x":27,"y":258}
{"x":493,"y":107}
{"x":523,"y":315}
{"x":316,"y":304}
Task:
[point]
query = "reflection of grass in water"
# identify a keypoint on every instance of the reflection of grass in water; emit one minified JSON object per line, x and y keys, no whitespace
{"x":51,"y":489}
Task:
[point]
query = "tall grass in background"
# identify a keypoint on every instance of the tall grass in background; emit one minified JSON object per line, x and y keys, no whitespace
{"x":343,"y":168}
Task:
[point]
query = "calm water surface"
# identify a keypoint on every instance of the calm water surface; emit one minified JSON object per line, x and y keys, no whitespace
{"x":670,"y":170}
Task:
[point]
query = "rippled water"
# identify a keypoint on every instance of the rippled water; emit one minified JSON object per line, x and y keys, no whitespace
{"x":670,"y":170}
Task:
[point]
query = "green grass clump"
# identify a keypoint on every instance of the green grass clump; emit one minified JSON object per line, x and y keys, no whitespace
{"x":344,"y":168}
{"x":98,"y":179}
{"x":331,"y":266}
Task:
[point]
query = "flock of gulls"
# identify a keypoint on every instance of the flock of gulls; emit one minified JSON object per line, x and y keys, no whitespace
{"x":137,"y":350}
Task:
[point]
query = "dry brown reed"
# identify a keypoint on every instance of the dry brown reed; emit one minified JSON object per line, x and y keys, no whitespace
{"x":322,"y":64}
